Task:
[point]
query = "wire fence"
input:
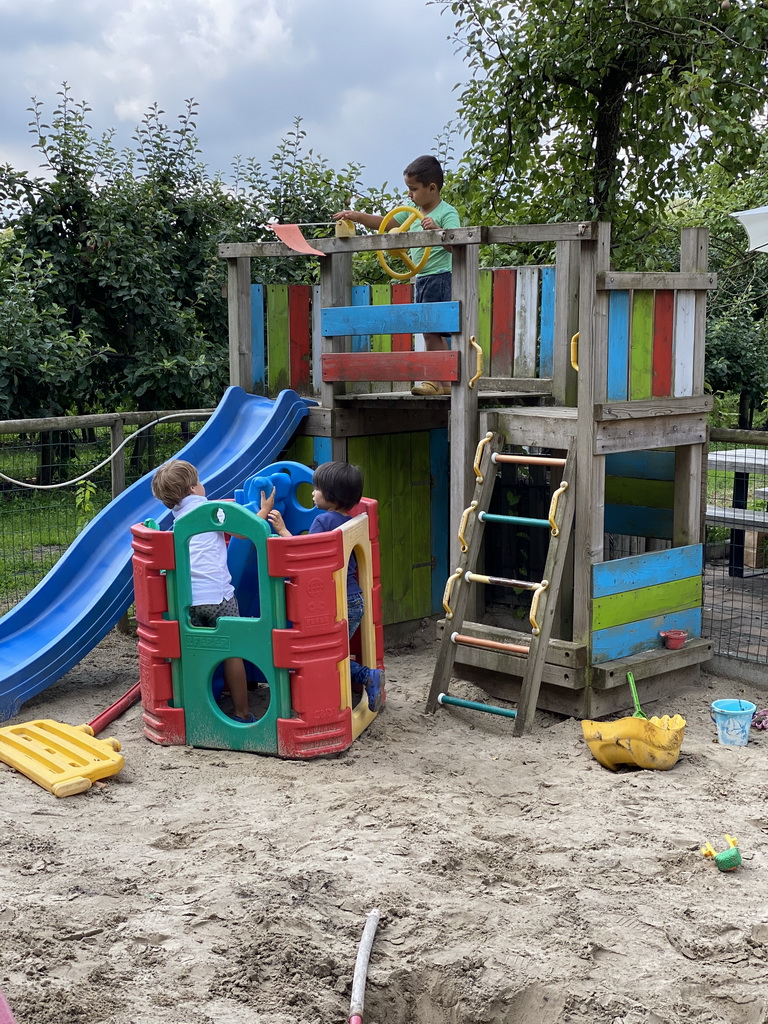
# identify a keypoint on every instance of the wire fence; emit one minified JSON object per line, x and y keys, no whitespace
{"x":736,"y":570}
{"x":38,"y":520}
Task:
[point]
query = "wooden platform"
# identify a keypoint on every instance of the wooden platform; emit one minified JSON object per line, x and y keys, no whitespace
{"x":564,"y":688}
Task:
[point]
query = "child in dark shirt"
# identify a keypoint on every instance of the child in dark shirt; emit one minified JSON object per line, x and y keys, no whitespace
{"x":337,"y":488}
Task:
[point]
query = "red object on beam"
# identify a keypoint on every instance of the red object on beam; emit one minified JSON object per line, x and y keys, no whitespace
{"x":290,"y":235}
{"x":349,"y":366}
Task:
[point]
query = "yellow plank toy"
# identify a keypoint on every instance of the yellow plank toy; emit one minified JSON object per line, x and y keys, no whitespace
{"x":64,"y":759}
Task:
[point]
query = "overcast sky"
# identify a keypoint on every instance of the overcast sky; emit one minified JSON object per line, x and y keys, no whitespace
{"x":372,"y":81}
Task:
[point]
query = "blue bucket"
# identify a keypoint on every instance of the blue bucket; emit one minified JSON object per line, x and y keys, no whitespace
{"x":733,"y":719}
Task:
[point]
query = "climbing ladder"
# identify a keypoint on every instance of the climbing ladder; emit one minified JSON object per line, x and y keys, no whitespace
{"x":471,"y":529}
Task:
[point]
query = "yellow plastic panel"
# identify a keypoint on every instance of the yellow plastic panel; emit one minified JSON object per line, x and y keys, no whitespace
{"x":646,"y":743}
{"x":64,"y":759}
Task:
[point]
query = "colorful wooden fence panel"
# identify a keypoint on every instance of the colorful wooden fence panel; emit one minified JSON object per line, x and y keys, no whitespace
{"x":639,"y":494}
{"x":650,"y":344}
{"x":634,"y":598}
{"x":515,"y":327}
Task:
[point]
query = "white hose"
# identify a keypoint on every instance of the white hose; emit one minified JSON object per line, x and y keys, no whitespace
{"x":357,"y":1002}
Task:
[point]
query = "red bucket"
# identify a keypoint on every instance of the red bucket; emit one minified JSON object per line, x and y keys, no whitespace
{"x":673,"y":638}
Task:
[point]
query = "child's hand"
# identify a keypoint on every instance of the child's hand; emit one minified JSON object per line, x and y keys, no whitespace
{"x":276,"y":519}
{"x":344,"y":215}
{"x":428,"y":224}
{"x":267,"y":503}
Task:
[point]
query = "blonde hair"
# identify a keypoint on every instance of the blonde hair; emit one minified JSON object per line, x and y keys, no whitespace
{"x":174,"y":481}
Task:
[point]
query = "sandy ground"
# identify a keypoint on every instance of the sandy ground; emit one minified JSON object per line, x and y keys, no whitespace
{"x":518,"y":880}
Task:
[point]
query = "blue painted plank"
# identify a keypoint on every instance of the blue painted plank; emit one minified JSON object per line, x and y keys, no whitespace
{"x":439,"y":469}
{"x":258,"y":338}
{"x":622,"y":641}
{"x":414,"y":318}
{"x":322,"y":451}
{"x":637,"y":571}
{"x":641,"y":465}
{"x":639,"y":521}
{"x":618,"y":346}
{"x":547,"y":323}
{"x":361,"y":296}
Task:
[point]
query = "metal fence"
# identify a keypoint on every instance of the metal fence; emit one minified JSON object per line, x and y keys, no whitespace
{"x":39,"y":519}
{"x":736,"y":571}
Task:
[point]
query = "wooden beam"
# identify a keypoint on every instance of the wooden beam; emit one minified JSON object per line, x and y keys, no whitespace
{"x":508,"y":233}
{"x":650,"y":407}
{"x":692,"y":281}
{"x":354,"y":366}
{"x":651,"y":432}
{"x":359,"y":243}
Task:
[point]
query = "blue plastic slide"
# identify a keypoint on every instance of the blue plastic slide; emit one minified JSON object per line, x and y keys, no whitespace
{"x":91,"y":586}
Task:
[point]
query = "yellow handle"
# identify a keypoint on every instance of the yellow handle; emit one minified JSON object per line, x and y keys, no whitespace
{"x":553,"y":507}
{"x":447,"y":593}
{"x":478,"y":455}
{"x":575,"y":351}
{"x":413,"y":214}
{"x":479,"y":372}
{"x":463,"y":524}
{"x":535,"y":606}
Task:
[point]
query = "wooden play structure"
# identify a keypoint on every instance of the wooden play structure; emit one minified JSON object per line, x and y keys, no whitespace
{"x":587,"y":381}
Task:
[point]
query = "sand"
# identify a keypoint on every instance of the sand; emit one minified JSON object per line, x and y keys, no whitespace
{"x":518,"y":880}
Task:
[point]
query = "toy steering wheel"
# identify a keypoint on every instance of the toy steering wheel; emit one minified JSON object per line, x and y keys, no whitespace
{"x":402,"y":254}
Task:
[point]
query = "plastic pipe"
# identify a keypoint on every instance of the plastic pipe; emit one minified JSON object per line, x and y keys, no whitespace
{"x":106,"y":717}
{"x":357,"y":1002}
{"x":6,"y":1017}
{"x":473,"y":705}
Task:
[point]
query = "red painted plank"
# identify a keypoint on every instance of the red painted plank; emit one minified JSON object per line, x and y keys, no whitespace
{"x":503,"y":322}
{"x":300,"y":336}
{"x":402,"y":294}
{"x":349,"y":366}
{"x":663,"y":315}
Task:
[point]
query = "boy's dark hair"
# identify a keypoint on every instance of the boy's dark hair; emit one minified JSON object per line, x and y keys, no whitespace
{"x":425,"y":169}
{"x":173,"y":481}
{"x":340,"y":482}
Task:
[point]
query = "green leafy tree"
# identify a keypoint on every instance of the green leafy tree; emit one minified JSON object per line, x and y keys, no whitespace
{"x":587,"y":109}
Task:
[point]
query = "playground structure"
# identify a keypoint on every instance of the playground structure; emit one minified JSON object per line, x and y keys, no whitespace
{"x":292,"y":631}
{"x":599,"y":370}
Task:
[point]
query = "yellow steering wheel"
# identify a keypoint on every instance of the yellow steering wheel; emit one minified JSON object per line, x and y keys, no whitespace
{"x":402,"y":254}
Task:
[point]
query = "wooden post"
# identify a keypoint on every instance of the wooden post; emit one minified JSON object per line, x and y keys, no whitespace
{"x":689,"y":459}
{"x":335,"y":290}
{"x":564,"y":378}
{"x":117,"y":436}
{"x":239,"y":315}
{"x":464,"y":419}
{"x":590,"y":475}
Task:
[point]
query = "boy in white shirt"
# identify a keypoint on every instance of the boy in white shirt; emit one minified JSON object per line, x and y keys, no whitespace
{"x":177,"y":485}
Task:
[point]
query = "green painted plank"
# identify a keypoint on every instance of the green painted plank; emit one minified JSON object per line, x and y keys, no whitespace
{"x":484,"y":305}
{"x":381,"y":295}
{"x":641,"y":346}
{"x":622,"y":490}
{"x":421,"y":524}
{"x":278,"y":360}
{"x":402,"y":536}
{"x":633,"y":605}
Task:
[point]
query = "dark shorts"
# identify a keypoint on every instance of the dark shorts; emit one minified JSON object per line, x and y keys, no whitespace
{"x":208,"y":614}
{"x":433,"y":288}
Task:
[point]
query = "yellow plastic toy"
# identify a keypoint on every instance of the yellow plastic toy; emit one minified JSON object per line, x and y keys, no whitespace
{"x":64,"y":759}
{"x":729,"y":859}
{"x":647,"y":743}
{"x":404,"y":255}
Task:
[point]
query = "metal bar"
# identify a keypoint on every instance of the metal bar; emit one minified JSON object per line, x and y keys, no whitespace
{"x":492,"y":645}
{"x":473,"y":705}
{"x":491,"y":517}
{"x":500,"y":581}
{"x":528,"y":460}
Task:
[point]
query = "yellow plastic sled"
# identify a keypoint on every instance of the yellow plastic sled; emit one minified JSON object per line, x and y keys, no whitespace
{"x":645,"y":742}
{"x":64,"y":759}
